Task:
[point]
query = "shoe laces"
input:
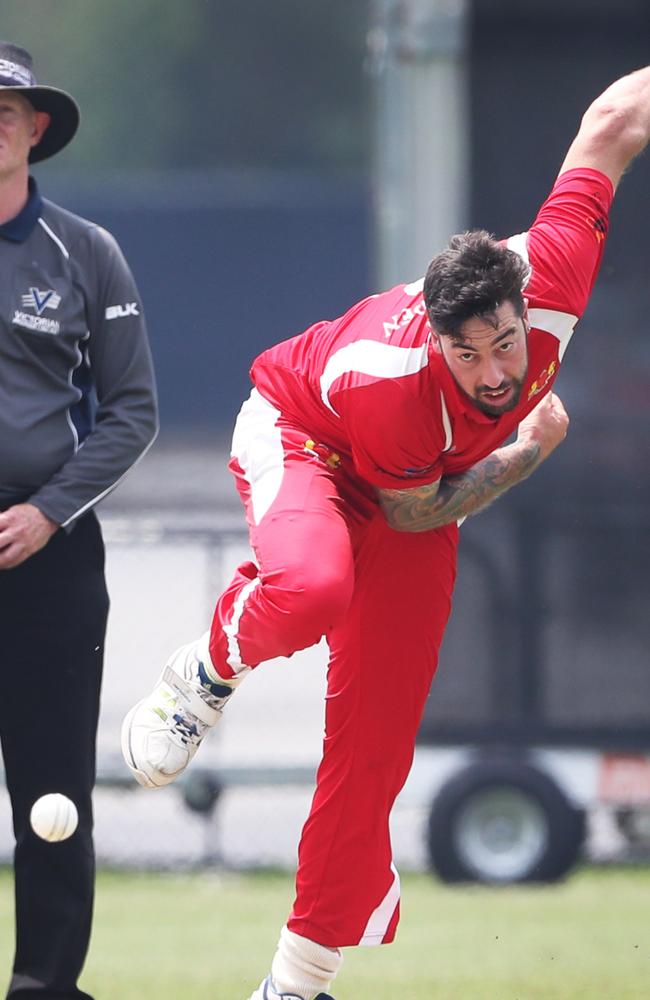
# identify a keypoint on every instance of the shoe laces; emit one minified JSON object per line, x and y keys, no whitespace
{"x":184,"y":725}
{"x":188,"y":727}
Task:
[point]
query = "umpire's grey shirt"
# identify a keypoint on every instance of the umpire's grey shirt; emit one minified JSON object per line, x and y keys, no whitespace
{"x":77,"y":391}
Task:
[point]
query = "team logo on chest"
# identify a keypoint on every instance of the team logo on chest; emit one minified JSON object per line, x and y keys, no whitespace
{"x":39,"y":300}
{"x":542,"y":379}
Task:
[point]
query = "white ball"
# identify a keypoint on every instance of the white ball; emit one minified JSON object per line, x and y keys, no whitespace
{"x":54,"y":817}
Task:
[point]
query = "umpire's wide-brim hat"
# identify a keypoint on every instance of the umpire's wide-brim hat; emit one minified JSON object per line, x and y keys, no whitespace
{"x":16,"y":74}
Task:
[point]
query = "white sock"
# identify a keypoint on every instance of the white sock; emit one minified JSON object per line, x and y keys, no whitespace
{"x":203,"y":653}
{"x":302,"y":967}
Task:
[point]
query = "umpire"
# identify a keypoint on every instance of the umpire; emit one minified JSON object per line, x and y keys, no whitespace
{"x":77,"y":410}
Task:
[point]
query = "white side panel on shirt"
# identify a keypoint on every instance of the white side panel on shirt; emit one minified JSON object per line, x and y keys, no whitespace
{"x":559,"y":324}
{"x":369,"y":357}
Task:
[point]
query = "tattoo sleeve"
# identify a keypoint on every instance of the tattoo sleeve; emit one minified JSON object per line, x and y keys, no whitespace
{"x":455,"y":497}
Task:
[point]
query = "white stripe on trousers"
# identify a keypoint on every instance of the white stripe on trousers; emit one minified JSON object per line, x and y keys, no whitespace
{"x":257,"y":447}
{"x":382,"y":915}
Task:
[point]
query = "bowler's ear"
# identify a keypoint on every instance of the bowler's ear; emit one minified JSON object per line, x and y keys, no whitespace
{"x":435,"y":341}
{"x":41,"y":122}
{"x":525,"y":315}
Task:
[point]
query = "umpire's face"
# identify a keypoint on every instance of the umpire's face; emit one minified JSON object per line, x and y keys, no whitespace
{"x":21,"y":128}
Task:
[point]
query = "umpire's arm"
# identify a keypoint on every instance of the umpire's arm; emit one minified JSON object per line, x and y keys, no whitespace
{"x":126,"y":419}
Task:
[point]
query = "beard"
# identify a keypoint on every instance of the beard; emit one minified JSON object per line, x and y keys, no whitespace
{"x":493,"y":409}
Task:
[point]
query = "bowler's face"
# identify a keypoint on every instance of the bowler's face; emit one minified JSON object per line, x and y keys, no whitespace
{"x":21,"y":128}
{"x":489,"y":359}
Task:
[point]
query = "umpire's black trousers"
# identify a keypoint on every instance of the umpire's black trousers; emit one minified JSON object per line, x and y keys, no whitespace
{"x":53,"y":612}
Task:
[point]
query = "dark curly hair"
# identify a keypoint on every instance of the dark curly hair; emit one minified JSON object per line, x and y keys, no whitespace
{"x":472,"y":277}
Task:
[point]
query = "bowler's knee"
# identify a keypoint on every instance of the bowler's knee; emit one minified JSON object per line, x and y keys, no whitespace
{"x":317,"y":599}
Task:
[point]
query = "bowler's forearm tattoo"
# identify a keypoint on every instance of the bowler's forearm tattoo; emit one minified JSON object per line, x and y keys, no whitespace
{"x":455,"y":497}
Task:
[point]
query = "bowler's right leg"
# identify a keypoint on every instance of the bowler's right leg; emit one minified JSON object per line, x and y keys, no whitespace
{"x":299,"y":588}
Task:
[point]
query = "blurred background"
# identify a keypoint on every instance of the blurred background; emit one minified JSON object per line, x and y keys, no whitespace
{"x":265,"y":165}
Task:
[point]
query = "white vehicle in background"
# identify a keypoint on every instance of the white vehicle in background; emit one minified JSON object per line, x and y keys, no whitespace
{"x":522,"y":816}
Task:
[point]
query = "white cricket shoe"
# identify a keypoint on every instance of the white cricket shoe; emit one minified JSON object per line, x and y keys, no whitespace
{"x":266,"y":991}
{"x":161,"y":734}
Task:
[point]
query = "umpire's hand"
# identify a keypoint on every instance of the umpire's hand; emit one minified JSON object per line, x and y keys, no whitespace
{"x":24,"y":529}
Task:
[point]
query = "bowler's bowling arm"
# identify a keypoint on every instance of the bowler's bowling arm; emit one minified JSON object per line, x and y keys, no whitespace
{"x":615,"y":128}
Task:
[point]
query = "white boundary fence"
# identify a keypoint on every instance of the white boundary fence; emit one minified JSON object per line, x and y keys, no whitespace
{"x":163,"y":575}
{"x":244,"y":800}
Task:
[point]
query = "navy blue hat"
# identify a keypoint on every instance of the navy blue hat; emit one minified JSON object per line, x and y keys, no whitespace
{"x":16,"y":74}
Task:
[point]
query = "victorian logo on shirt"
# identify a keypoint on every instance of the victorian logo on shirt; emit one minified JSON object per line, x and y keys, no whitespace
{"x":39,"y":300}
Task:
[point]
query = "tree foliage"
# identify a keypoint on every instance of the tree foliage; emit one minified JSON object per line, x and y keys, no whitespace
{"x":203,"y":83}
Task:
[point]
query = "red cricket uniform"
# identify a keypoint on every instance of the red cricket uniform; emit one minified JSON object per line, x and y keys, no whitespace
{"x":361,"y":402}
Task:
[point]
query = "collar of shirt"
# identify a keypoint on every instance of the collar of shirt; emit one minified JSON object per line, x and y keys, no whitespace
{"x":19,"y":228}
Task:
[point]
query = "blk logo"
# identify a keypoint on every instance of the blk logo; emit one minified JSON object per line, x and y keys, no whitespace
{"x":118,"y":312}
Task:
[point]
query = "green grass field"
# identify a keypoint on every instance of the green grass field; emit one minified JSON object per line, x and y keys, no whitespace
{"x":211,"y":937}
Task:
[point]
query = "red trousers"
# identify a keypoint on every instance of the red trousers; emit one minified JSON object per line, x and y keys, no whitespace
{"x":327,"y":564}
